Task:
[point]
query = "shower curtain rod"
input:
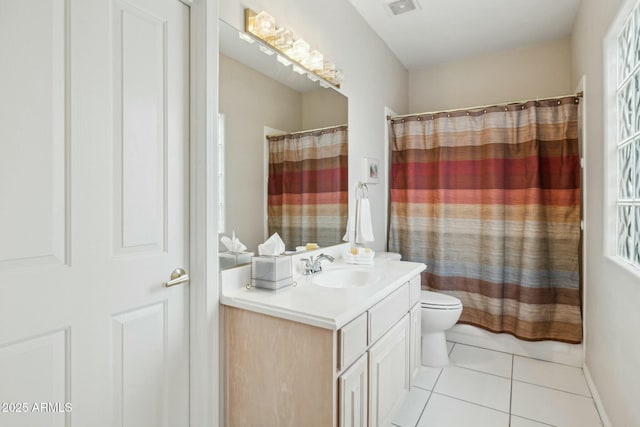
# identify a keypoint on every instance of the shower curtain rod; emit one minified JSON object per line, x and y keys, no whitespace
{"x":309,"y":130}
{"x":577,"y":95}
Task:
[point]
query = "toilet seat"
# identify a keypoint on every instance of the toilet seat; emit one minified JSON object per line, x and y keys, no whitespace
{"x":439,"y":301}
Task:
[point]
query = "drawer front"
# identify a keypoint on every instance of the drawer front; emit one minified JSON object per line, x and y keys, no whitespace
{"x":387,"y":312}
{"x":414,"y":290}
{"x":352,"y":341}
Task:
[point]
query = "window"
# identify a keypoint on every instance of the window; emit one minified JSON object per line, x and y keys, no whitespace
{"x":627,"y":140}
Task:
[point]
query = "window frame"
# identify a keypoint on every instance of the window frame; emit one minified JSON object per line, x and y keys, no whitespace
{"x":615,"y":83}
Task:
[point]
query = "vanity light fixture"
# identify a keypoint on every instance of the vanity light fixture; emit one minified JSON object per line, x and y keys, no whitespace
{"x":298,"y":69}
{"x":305,"y":60}
{"x":284,"y":61}
{"x":246,"y":37}
{"x":266,"y":50}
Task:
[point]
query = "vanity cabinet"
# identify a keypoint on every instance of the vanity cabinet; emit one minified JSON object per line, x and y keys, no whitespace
{"x":281,"y":372}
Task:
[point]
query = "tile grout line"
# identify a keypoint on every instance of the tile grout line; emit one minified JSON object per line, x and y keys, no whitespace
{"x":553,"y":388}
{"x":535,"y":421}
{"x":436,"y":381}
{"x":517,"y":355}
{"x":429,"y":398}
{"x":481,"y":372}
{"x":423,"y":409}
{"x":469,"y":402}
{"x":511,"y":390}
{"x":484,"y":348}
{"x":548,"y":361}
{"x":484,"y":372}
{"x":515,"y":379}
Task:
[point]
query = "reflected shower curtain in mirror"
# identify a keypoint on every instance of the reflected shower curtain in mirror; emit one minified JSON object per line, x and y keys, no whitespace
{"x":308,"y":186}
{"x":489,"y":199}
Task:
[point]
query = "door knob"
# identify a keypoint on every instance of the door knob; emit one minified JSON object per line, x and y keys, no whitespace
{"x":177,"y":276}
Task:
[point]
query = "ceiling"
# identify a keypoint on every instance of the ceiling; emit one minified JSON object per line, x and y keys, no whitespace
{"x":447,"y":30}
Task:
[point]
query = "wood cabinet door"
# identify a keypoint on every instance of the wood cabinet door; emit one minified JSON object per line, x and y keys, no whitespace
{"x":354,"y":394}
{"x":389,"y":372}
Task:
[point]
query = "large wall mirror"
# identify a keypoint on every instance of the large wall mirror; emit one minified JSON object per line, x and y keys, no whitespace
{"x":259,"y":97}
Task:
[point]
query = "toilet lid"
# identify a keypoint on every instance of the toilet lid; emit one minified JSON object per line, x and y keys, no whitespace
{"x":437,"y":299}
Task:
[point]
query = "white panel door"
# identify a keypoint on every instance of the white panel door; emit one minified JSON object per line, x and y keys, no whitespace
{"x":94,"y":178}
{"x":353,"y":394}
{"x":389,"y":366}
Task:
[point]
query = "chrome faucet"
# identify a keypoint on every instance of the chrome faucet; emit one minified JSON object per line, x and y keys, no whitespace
{"x":312,"y":266}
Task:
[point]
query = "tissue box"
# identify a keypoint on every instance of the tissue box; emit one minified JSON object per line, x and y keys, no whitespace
{"x":271,"y":272}
{"x":231,"y":259}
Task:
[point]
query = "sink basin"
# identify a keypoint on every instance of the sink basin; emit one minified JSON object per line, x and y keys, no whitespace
{"x":347,"y":278}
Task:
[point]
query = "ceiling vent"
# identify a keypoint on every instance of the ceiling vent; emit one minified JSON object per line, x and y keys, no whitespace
{"x":398,"y":7}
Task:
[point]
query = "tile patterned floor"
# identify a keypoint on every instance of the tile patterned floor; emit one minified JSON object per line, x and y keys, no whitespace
{"x":486,"y":388}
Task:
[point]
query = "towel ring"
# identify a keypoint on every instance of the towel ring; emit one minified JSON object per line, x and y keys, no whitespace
{"x":362,"y":192}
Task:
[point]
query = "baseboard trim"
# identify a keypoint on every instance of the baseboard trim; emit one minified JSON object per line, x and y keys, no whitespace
{"x":551,"y":351}
{"x":596,"y":397}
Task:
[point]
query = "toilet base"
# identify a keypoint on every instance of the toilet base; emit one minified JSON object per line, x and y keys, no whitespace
{"x":434,"y":350}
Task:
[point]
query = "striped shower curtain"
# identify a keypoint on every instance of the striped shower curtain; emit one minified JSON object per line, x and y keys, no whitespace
{"x":489,"y":199}
{"x":308,"y":186}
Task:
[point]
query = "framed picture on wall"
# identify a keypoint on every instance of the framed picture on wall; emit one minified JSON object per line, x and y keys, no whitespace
{"x":370,"y":170}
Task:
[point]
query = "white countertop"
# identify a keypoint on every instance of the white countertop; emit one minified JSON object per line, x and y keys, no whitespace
{"x":316,"y":305}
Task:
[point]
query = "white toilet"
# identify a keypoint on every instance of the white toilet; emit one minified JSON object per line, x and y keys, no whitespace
{"x":439,"y":313}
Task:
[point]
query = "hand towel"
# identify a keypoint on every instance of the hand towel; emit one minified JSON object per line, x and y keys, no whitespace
{"x":365,"y":227}
{"x":350,"y":229}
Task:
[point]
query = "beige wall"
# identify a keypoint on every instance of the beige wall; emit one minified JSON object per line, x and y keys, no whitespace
{"x":613,"y":292}
{"x":250,"y":101}
{"x":374,"y":78}
{"x":530,"y":72}
{"x":322,"y":108}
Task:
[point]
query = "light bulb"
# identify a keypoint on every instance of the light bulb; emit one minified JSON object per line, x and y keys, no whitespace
{"x":328,"y":70}
{"x":300,"y":51}
{"x":315,"y":60}
{"x":265,"y":24}
{"x":283,"y":39}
